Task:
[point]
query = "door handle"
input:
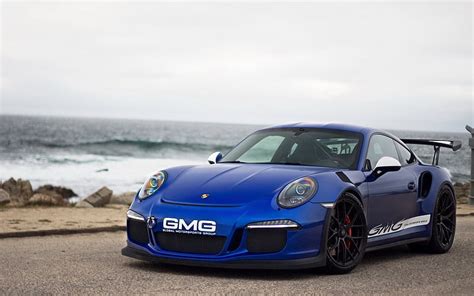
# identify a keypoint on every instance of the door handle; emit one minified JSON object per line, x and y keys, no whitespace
{"x":411,"y":186}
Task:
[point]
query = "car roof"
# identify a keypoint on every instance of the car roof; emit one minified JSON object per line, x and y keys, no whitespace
{"x":335,"y":126}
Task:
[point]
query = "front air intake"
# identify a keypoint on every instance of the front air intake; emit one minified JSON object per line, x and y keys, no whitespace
{"x":137,"y":231}
{"x":190,"y":243}
{"x":266,"y":240}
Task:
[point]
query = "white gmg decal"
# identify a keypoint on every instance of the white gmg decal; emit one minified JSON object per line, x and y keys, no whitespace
{"x":193,"y":227}
{"x":400,"y":225}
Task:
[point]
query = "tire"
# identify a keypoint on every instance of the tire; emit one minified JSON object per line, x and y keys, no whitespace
{"x":346,"y":235}
{"x":443,"y":224}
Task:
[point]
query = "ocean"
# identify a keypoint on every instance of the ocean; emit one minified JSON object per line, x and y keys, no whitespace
{"x":85,"y":154}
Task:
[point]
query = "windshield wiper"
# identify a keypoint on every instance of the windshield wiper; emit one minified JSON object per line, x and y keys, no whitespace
{"x":284,"y":163}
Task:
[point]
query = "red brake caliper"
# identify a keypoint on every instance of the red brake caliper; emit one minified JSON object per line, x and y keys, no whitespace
{"x":347,"y":221}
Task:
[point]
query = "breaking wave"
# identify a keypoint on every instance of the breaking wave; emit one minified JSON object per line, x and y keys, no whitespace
{"x":131,"y":148}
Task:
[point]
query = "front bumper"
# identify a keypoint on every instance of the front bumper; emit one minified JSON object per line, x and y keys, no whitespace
{"x":234,"y":244}
{"x":303,"y":263}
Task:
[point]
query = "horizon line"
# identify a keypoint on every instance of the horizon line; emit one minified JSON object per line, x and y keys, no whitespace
{"x":207,"y":122}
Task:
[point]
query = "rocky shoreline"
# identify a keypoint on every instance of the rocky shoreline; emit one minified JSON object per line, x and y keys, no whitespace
{"x":19,"y":193}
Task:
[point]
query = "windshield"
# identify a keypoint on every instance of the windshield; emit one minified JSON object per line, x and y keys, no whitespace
{"x":314,"y":147}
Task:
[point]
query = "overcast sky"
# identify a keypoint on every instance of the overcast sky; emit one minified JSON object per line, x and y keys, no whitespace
{"x":396,"y":66}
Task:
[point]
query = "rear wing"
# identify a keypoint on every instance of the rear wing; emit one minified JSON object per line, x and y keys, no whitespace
{"x":437,"y":144}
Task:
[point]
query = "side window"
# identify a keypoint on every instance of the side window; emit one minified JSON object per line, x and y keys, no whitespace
{"x":406,"y":157}
{"x":263,"y":150}
{"x":379,"y":147}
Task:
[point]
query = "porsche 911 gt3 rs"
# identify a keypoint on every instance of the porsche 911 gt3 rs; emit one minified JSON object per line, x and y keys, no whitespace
{"x":296,"y":196}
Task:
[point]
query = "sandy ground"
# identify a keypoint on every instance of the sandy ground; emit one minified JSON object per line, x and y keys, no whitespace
{"x":91,"y":264}
{"x":17,"y":220}
{"x":46,"y":218}
{"x":465,"y":210}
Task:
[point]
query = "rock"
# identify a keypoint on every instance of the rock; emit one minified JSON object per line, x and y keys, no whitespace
{"x":19,"y":190}
{"x":123,"y":199}
{"x":46,"y":200}
{"x":63,"y":191}
{"x":4,"y":197}
{"x":462,"y":192}
{"x":83,"y":204}
{"x":100,"y":198}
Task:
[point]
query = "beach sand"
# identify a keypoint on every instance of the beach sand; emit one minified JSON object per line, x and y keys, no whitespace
{"x":32,"y":221}
{"x":37,"y":219}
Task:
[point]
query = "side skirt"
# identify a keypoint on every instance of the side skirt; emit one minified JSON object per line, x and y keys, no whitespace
{"x":399,"y":243}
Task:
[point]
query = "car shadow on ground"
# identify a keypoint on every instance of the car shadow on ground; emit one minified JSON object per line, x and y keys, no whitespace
{"x":371,"y":258}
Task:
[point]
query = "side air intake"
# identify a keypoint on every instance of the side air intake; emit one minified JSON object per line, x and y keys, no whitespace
{"x":425,"y":184}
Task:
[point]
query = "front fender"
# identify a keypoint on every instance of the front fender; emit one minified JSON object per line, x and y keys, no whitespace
{"x":332,"y":185}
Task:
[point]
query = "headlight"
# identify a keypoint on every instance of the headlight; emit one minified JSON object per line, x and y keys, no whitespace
{"x":297,"y":192}
{"x":152,"y":184}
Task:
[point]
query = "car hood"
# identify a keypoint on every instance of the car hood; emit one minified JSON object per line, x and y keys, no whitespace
{"x":231,"y":184}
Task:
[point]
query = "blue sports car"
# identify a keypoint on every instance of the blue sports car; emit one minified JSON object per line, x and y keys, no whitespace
{"x":296,"y":196}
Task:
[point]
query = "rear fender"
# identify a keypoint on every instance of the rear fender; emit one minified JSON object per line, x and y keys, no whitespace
{"x":441,"y":177}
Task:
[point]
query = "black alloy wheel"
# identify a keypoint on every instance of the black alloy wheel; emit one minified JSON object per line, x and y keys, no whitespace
{"x":346,"y":236}
{"x":443,"y":225}
{"x":446,"y":219}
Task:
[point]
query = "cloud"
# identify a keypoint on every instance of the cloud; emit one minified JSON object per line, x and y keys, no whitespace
{"x":367,"y":63}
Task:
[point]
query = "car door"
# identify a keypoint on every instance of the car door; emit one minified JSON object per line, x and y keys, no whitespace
{"x":393,"y":195}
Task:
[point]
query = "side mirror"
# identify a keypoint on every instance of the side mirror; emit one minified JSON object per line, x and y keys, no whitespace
{"x":214,"y":157}
{"x":386,"y":164}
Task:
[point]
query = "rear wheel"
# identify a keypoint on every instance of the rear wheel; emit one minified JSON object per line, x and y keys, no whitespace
{"x":346,"y":235}
{"x":443,"y":224}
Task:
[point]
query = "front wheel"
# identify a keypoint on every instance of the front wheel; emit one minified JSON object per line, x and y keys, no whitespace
{"x":346,"y":235}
